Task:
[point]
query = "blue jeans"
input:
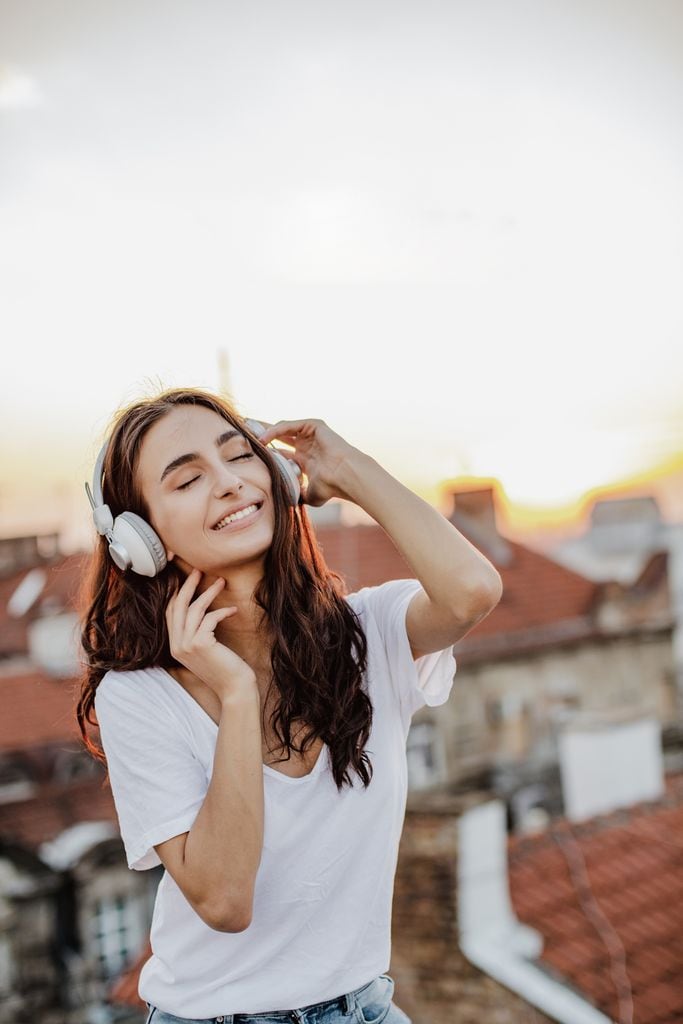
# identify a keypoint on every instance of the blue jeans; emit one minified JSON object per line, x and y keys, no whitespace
{"x":369,"y":1004}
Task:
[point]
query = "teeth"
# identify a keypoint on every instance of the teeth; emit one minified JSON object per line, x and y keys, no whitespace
{"x":235,"y":515}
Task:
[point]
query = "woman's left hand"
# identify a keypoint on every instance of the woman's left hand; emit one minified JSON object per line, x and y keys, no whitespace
{"x":318,"y":450}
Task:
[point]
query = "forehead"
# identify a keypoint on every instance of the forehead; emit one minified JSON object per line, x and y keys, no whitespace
{"x":183,"y":430}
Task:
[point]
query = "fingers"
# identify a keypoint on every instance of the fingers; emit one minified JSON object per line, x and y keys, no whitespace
{"x":196,"y":610}
{"x":176,"y":610}
{"x":285,"y":428}
{"x":185,"y":617}
{"x":184,"y":593}
{"x":211,"y":619}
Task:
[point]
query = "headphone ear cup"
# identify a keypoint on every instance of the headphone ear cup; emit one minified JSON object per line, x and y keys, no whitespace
{"x":145,"y":551}
{"x":289,"y":475}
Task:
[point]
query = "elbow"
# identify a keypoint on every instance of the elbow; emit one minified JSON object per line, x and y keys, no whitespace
{"x":234,"y":924}
{"x":494,"y":591}
{"x":485,"y":598}
{"x":236,"y":919}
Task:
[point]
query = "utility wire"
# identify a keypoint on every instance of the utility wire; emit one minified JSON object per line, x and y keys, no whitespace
{"x":578,"y":871}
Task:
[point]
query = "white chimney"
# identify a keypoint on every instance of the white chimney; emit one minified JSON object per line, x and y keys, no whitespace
{"x":54,"y":643}
{"x":609,"y":761}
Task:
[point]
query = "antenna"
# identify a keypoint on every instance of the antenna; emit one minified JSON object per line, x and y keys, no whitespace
{"x":224,"y":381}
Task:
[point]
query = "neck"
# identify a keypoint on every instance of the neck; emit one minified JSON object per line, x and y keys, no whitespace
{"x":247,"y":632}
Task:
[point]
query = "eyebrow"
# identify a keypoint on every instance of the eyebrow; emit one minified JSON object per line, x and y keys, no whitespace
{"x":191,"y":456}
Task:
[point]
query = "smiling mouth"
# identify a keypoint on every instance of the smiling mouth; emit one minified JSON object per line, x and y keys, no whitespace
{"x":246,"y":513}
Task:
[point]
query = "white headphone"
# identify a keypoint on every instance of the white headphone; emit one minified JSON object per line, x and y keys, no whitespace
{"x":133,"y":544}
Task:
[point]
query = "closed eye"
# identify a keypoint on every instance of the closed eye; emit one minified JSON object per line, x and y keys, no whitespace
{"x":247,"y":455}
{"x":183,"y":486}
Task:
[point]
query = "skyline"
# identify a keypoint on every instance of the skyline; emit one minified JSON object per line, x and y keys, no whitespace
{"x":452,"y":233}
{"x":539,"y":525}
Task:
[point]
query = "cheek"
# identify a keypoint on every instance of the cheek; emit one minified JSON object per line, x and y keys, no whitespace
{"x":174,"y":525}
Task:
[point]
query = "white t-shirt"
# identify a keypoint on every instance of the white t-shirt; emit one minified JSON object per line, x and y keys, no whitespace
{"x":321,"y":923}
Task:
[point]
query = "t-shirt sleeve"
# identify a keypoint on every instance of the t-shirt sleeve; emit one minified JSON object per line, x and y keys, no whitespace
{"x":157,"y":783}
{"x":425,"y":681}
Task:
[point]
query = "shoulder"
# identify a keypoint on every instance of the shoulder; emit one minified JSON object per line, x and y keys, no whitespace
{"x":135,"y":707}
{"x":131,"y":687}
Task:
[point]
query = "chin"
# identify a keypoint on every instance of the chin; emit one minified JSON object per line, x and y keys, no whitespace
{"x":227,"y":561}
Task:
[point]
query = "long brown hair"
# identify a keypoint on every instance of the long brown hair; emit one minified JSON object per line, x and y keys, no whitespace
{"x":319,"y":650}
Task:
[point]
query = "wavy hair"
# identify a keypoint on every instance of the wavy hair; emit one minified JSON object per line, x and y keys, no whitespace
{"x":319,"y":650}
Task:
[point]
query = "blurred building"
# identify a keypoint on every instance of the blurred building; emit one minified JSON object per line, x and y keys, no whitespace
{"x":557,"y":644}
{"x":74,"y":920}
{"x":71,"y":913}
{"x":623,"y":536}
{"x":580,"y":916}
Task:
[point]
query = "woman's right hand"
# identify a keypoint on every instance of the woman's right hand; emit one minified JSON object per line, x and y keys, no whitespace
{"x":193,"y":643}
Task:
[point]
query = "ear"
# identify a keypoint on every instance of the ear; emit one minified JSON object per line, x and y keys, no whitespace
{"x":170,"y":555}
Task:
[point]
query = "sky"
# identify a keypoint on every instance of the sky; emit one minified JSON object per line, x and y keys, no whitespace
{"x":452,"y":230}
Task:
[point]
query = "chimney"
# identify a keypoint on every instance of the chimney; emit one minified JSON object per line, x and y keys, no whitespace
{"x":53,"y":642}
{"x":474,"y":514}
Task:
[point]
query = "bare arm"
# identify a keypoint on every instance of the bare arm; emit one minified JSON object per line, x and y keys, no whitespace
{"x":460,"y":583}
{"x":215,"y":863}
{"x":453,"y":572}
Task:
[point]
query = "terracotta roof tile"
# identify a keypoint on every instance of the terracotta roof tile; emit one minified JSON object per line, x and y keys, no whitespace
{"x":53,"y":808}
{"x":36,"y":709}
{"x":627,"y":947}
{"x":538,"y":591}
{"x":543,"y":602}
{"x":61,"y":590}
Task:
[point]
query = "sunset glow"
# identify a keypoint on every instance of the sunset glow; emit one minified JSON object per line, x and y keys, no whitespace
{"x":454,"y":240}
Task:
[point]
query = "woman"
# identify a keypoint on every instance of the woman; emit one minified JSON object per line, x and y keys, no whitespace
{"x":254,"y":716}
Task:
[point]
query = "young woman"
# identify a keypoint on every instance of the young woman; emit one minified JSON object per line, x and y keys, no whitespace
{"x":253,"y":715}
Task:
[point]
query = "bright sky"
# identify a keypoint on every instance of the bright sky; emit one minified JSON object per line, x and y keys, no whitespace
{"x":452,"y":230}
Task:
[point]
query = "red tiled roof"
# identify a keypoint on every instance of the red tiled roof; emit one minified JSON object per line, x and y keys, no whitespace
{"x":60,"y":591}
{"x":363,"y":555}
{"x":543,"y":602}
{"x":40,"y":711}
{"x":36,"y":709}
{"x":55,"y":807}
{"x":537,"y":591}
{"x":607,"y":897}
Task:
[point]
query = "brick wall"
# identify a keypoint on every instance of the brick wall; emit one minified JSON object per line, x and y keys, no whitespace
{"x":435,"y":984}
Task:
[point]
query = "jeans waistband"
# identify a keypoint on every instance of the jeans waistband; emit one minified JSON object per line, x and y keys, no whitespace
{"x":345,"y":1004}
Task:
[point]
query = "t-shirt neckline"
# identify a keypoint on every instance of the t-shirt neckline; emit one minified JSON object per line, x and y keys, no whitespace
{"x":266,"y":767}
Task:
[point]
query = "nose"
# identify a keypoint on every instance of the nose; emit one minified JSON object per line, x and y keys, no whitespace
{"x":227,"y":480}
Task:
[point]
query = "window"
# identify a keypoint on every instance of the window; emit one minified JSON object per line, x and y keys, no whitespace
{"x":117,"y":934}
{"x":505,"y":707}
{"x":426,"y":763}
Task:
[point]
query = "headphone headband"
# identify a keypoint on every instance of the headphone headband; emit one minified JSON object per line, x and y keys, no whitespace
{"x":102,"y":516}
